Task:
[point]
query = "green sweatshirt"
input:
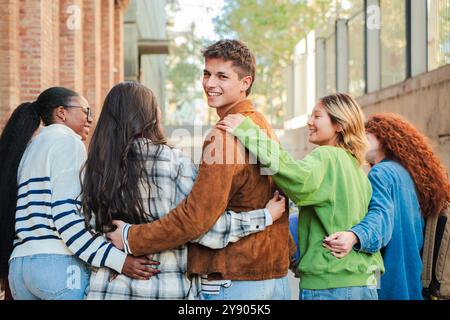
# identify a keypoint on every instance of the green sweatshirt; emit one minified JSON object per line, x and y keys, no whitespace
{"x":332,"y":193}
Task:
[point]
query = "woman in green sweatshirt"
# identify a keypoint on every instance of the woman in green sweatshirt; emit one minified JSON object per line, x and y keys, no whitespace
{"x":332,"y":193}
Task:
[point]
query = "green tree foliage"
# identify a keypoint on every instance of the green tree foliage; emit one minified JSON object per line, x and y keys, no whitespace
{"x":184,"y":68}
{"x":271,"y":28}
{"x":444,"y":32}
{"x":184,"y":63}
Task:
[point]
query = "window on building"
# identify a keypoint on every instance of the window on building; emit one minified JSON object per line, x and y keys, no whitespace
{"x":356,"y":61}
{"x":330,"y":67}
{"x":393,"y":42}
{"x":348,"y":8}
{"x":301,"y":85}
{"x":438,"y":33}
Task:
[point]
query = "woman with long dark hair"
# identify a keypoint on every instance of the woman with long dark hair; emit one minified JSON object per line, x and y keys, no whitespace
{"x":44,"y":243}
{"x":133,"y":175}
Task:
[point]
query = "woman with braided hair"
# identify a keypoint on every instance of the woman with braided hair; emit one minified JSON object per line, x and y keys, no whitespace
{"x":409,"y":184}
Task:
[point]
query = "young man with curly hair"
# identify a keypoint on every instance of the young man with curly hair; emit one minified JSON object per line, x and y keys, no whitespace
{"x":409,"y":183}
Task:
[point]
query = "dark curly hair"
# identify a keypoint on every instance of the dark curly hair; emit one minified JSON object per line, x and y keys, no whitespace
{"x":237,"y":52}
{"x":402,"y":142}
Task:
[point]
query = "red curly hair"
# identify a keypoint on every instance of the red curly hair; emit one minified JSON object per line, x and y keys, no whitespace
{"x":402,"y":142}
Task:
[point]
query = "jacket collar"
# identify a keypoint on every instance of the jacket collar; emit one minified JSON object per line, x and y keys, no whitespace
{"x":241,"y":107}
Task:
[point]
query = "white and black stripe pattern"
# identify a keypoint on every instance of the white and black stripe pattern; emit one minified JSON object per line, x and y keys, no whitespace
{"x":47,"y":212}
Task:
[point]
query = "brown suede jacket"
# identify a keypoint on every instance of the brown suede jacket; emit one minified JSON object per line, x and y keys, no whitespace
{"x":235,"y":185}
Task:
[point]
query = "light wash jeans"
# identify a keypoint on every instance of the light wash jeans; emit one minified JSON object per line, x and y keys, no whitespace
{"x":273,"y":289}
{"x":346,"y":293}
{"x":48,"y":277}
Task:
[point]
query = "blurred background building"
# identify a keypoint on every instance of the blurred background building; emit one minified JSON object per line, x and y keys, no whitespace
{"x":72,"y":43}
{"x":393,"y":55}
{"x":146,"y":45}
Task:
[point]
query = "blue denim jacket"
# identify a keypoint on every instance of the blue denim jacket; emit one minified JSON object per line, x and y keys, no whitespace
{"x":395,"y":225}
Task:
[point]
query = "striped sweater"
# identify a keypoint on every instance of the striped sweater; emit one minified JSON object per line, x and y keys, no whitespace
{"x":47,"y":216}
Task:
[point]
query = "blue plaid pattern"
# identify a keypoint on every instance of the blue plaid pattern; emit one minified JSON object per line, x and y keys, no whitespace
{"x":171,"y":176}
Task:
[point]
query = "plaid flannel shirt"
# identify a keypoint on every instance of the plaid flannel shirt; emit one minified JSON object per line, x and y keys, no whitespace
{"x":170,"y":178}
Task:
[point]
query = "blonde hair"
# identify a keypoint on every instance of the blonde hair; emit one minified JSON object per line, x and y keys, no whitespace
{"x":345,"y":112}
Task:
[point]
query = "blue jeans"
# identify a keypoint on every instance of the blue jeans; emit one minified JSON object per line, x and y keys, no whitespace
{"x":48,"y":277}
{"x":273,"y":289}
{"x":346,"y":293}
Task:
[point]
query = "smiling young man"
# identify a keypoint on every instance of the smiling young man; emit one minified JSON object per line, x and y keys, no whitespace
{"x":256,"y":266}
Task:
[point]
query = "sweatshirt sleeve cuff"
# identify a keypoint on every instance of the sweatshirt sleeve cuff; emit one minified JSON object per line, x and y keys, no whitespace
{"x":269,"y":220}
{"x":116,"y":259}
{"x":125,"y":243}
{"x":359,"y":232}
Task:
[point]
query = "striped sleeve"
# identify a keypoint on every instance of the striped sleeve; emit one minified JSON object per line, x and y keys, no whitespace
{"x":231,"y":226}
{"x":93,"y":249}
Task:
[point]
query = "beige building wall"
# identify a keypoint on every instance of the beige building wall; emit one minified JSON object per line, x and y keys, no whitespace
{"x":145,"y":42}
{"x":424,"y":100}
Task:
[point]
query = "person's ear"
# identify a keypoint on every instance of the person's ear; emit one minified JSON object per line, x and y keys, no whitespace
{"x":246,"y":82}
{"x":60,"y":113}
{"x":339,"y":128}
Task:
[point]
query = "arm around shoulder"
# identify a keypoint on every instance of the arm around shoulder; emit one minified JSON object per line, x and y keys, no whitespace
{"x":199,"y":211}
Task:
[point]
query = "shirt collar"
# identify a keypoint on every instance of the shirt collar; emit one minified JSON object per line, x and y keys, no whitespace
{"x":56,"y":127}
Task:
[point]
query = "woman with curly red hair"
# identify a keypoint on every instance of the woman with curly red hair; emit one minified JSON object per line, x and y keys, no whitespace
{"x":409,"y":183}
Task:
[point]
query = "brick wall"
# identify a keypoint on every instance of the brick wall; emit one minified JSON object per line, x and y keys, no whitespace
{"x":118,"y":44}
{"x":41,"y":45}
{"x":9,"y":53}
{"x":55,"y":42}
{"x":71,"y":45}
{"x":31,"y":60}
{"x":107,"y":45}
{"x":92,"y":51}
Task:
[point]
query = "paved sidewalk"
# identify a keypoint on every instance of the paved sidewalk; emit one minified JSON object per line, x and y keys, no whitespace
{"x":293,"y":283}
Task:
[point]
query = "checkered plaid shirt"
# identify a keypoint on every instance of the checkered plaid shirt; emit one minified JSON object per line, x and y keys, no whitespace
{"x":170,"y":178}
